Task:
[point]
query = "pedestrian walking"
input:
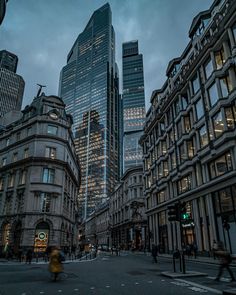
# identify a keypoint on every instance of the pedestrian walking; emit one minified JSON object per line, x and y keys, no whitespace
{"x":29,"y":255}
{"x":225,"y":260}
{"x":214,"y":248}
{"x":154,"y":253}
{"x":55,"y":263}
{"x":195,"y":249}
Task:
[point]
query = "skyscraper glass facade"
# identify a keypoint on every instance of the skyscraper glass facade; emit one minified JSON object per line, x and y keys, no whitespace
{"x":133,"y":104}
{"x":89,"y":88}
{"x":11,"y":85}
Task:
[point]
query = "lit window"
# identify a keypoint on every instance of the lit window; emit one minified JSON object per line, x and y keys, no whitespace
{"x":199,"y":108}
{"x":208,"y":68}
{"x":230,"y":113}
{"x":4,"y":161}
{"x":165,"y":168}
{"x":190,"y":148}
{"x":50,"y":152}
{"x":213,"y":94}
{"x":45,"y":202}
{"x":173,"y":160}
{"x":218,"y":124}
{"x":221,"y":165}
{"x":184,"y":184}
{"x":48,"y":175}
{"x":220,"y":58}
{"x":187,"y":124}
{"x":7,"y":141}
{"x":203,"y":136}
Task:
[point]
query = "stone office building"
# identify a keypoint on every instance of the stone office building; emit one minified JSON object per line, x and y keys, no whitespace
{"x":190,"y":135}
{"x":128,"y":222}
{"x":39,"y":178}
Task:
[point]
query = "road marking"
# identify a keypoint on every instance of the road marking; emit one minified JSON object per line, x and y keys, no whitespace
{"x":41,"y":292}
{"x":200,"y":286}
{"x":180,"y":284}
{"x":107,"y":286}
{"x":136,"y":283}
{"x":59,"y":291}
{"x":76,"y":289}
{"x":149,"y":282}
{"x":122,"y":285}
{"x":221,"y":279}
{"x":92,"y":288}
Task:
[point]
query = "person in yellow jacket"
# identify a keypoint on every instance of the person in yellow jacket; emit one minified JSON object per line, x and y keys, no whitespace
{"x":55,"y":262}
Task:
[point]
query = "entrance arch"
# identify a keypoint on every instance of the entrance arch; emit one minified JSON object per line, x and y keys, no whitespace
{"x":41,"y":237}
{"x":17,"y":236}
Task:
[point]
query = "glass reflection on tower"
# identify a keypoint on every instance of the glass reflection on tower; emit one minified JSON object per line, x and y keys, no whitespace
{"x":89,"y":88}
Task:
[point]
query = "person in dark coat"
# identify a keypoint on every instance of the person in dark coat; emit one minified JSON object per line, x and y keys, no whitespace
{"x":29,"y":255}
{"x":154,"y":253}
{"x":225,"y":260}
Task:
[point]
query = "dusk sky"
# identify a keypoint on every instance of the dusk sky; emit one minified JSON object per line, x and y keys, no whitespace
{"x":41,"y":33}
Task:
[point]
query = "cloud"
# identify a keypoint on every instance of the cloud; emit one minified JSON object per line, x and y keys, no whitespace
{"x":42,"y":32}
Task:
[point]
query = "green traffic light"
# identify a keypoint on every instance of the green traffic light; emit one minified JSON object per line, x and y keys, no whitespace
{"x":185,"y":216}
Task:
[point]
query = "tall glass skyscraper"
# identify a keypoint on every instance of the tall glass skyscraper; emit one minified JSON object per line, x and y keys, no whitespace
{"x":11,"y":85}
{"x":133,"y":104}
{"x":89,"y":88}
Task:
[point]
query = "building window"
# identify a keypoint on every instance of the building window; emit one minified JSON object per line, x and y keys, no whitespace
{"x":50,"y":152}
{"x":164,"y":148}
{"x":7,"y":141}
{"x":184,"y":184}
{"x":218,"y":124}
{"x":173,"y":160}
{"x":165,"y":168}
{"x":234,"y":32}
{"x":220,"y":58}
{"x":208,"y":68}
{"x":182,"y":153}
{"x":22,"y":179}
{"x":17,"y":136}
{"x":179,"y":128}
{"x":48,"y":175}
{"x":213,"y":94}
{"x":230,"y":115}
{"x":26,"y":153}
{"x":221,"y":165}
{"x":29,"y":131}
{"x":195,"y":84}
{"x":203,"y":136}
{"x":14,"y":158}
{"x":190,"y":149}
{"x":1,"y":183}
{"x":11,"y":178}
{"x":161,"y":197}
{"x":177,"y":105}
{"x":187,"y":124}
{"x":199,"y":108}
{"x":226,"y":86}
{"x":52,"y":129}
{"x":45,"y":202}
{"x":184,"y":98}
{"x":4,"y":161}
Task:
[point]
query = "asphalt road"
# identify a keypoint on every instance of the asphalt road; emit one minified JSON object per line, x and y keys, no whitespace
{"x":119,"y":275}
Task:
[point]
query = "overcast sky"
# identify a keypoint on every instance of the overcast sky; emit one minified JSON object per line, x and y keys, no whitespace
{"x":41,"y":33}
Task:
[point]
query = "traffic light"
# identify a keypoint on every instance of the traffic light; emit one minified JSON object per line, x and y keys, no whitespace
{"x":174,"y":213}
{"x":183,"y":211}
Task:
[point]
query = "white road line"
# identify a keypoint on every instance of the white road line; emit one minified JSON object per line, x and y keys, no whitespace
{"x":76,"y":289}
{"x":59,"y":291}
{"x":200,"y":286}
{"x":122,"y":285}
{"x":221,"y":279}
{"x":136,"y":283}
{"x":92,"y":288}
{"x":41,"y":292}
{"x":107,"y":286}
{"x":149,"y":282}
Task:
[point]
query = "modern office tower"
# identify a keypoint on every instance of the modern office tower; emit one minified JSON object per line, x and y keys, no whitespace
{"x":133,"y":104}
{"x":189,"y":139}
{"x":89,"y":88}
{"x":11,"y":85}
{"x":39,"y":179}
{"x":3,"y":4}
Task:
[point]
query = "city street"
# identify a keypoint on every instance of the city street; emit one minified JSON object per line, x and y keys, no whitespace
{"x":107,"y":274}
